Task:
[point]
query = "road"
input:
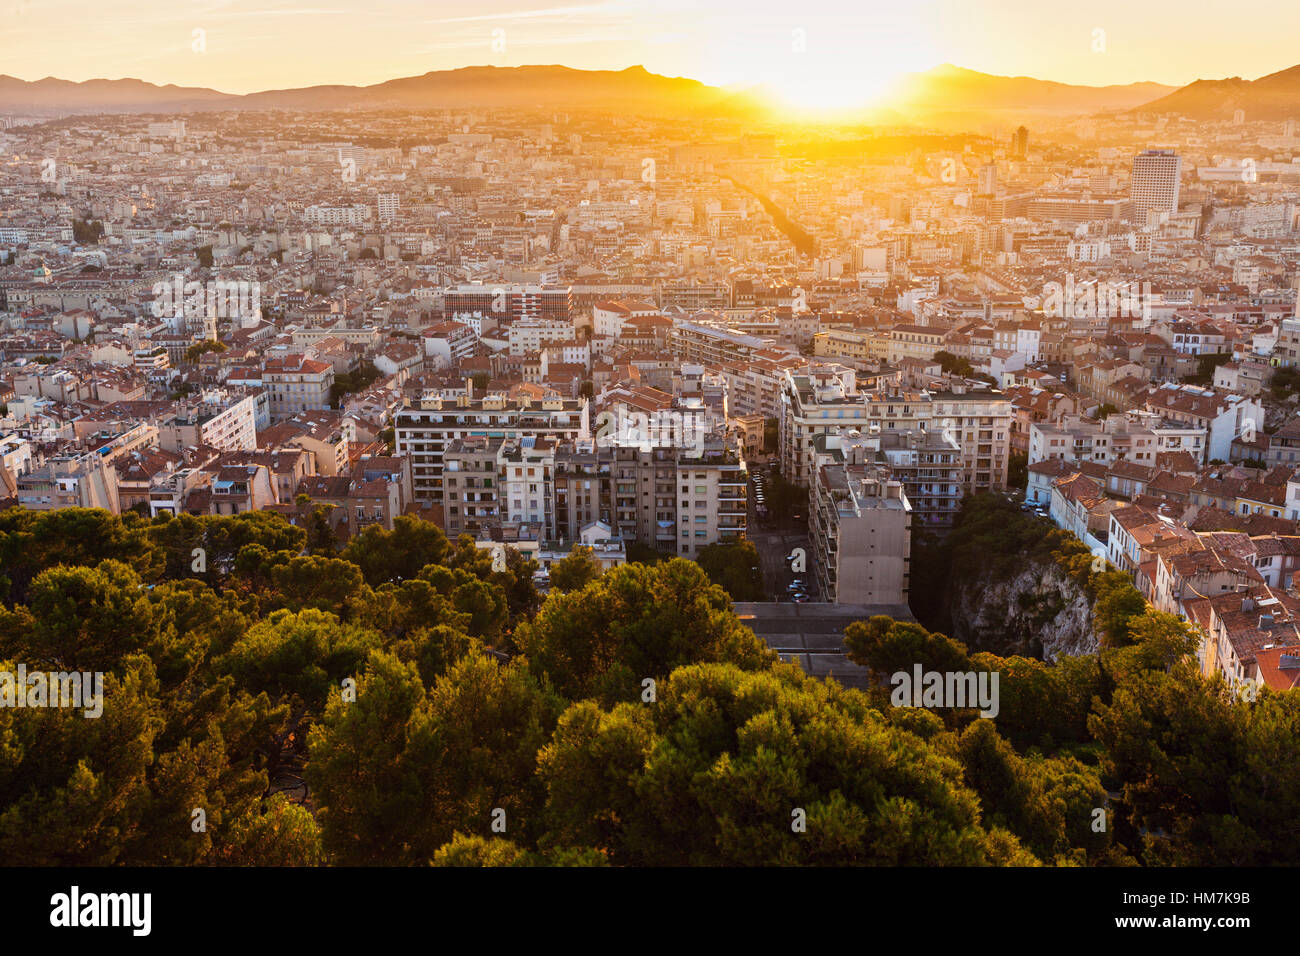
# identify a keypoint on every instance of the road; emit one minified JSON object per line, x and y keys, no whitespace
{"x":774,"y":541}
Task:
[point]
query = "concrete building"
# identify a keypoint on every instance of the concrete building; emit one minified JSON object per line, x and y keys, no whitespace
{"x":860,"y":528}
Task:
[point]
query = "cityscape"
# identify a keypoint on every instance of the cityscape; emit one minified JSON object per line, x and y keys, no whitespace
{"x":608,"y":464}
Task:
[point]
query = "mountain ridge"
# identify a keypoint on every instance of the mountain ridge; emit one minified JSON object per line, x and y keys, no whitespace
{"x":945,"y":88}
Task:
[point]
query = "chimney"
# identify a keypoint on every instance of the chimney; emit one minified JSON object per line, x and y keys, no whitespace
{"x":1247,"y":604}
{"x":1265,"y":621}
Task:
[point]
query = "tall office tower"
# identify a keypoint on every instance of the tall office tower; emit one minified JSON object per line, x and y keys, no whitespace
{"x":1020,"y":143}
{"x":1288,"y":129}
{"x":388,"y":204}
{"x":988,"y":179}
{"x":1154,"y":186}
{"x":1238,"y":117}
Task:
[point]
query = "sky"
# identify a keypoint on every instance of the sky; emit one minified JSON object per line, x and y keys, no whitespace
{"x":812,"y":52}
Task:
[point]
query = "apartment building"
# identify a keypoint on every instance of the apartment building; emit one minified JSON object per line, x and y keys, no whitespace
{"x":446,"y":343}
{"x":1134,"y":436}
{"x":860,"y":529}
{"x":525,"y":469}
{"x":529,"y":336}
{"x":978,"y":421}
{"x":218,"y":419}
{"x":509,"y":302}
{"x":856,"y":347}
{"x":1252,"y":634}
{"x":709,"y":343}
{"x":425,"y":425}
{"x":295,"y":383}
{"x":1224,"y":416}
{"x":914,"y":341}
{"x":70,"y":481}
{"x":675,"y":500}
{"x":927,"y":463}
{"x":470,"y":480}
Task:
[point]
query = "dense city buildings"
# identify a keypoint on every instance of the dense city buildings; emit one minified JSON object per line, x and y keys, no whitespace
{"x":545,"y":329}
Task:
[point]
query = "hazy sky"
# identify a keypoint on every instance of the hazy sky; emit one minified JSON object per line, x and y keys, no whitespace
{"x":850,"y":48}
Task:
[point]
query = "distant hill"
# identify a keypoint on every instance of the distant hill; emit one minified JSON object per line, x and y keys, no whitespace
{"x":546,"y":87}
{"x":947,"y":89}
{"x":111,"y":96}
{"x":951,"y":88}
{"x":1272,"y":97}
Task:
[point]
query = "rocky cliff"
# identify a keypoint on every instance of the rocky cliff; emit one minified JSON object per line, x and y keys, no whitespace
{"x":1040,"y":612}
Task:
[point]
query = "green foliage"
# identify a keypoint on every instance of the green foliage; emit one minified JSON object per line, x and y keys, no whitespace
{"x":635,"y":622}
{"x":400,"y":770}
{"x":87,"y":231}
{"x":1204,"y":780}
{"x":1284,"y":383}
{"x":734,"y":568}
{"x":885,"y":646}
{"x":715,"y":773}
{"x":954,"y":365}
{"x":396,"y":555}
{"x":199,"y":348}
{"x":576,"y":571}
{"x":226,"y":686}
{"x":1205,"y":366}
{"x":347,"y":383}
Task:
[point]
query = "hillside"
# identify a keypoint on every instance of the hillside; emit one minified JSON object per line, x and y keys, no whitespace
{"x":1272,"y":97}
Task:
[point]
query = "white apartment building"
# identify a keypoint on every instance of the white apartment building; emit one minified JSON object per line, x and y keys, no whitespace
{"x":323,"y":215}
{"x":1135,"y":436}
{"x":527,"y":337}
{"x":425,"y":426}
{"x":977,"y":420}
{"x":1225,"y":416}
{"x":1156,"y":177}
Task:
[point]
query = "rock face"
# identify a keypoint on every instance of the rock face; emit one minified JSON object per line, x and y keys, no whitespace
{"x":1040,"y":613}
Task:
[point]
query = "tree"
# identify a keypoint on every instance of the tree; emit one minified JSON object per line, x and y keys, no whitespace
{"x":304,"y":655}
{"x":734,"y":568}
{"x":1018,"y":470}
{"x":758,"y":768}
{"x":32,"y":541}
{"x":88,"y":619}
{"x":1047,"y":803}
{"x":576,"y":571}
{"x":204,"y":255}
{"x":397,"y":555}
{"x":1204,"y":780}
{"x":1205,"y":366}
{"x":954,"y":365}
{"x":398,"y":772}
{"x":886,"y":646}
{"x":1118,"y":603}
{"x":199,"y":348}
{"x":636,"y":622}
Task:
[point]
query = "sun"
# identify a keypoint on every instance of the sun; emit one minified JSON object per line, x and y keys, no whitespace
{"x":833,"y":86}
